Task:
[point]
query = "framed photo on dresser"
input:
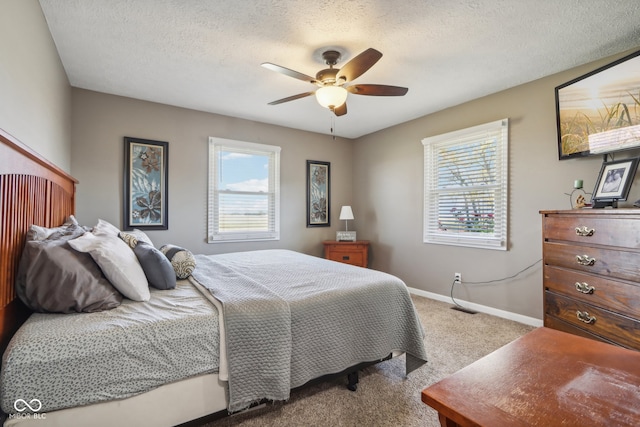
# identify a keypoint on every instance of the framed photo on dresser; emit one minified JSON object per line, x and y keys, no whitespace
{"x":614,"y":181}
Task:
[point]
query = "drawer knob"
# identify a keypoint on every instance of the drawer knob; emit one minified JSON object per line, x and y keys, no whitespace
{"x":585,"y":260}
{"x":585,"y":231}
{"x":583,"y":316}
{"x":585,"y":288}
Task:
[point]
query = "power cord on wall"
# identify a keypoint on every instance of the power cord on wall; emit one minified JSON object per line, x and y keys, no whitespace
{"x":459,"y":307}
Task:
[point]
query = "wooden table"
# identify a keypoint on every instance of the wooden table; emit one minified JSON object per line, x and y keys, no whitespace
{"x":544,"y":378}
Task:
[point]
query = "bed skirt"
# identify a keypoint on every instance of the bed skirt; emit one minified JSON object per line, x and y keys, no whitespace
{"x":167,"y":405}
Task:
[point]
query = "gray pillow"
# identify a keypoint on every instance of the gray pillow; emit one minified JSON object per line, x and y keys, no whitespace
{"x":54,"y":278}
{"x":156,"y":266}
{"x":37,"y":232}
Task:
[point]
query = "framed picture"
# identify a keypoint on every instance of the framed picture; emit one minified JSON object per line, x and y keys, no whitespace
{"x":318,"y":193}
{"x":145,"y":184}
{"x":614,"y":181}
{"x":595,"y":112}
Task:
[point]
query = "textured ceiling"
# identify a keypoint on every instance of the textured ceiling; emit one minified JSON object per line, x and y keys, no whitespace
{"x":206,"y":54}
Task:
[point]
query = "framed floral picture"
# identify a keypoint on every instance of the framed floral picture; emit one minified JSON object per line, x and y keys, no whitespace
{"x":145,"y":184}
{"x":318,"y":192}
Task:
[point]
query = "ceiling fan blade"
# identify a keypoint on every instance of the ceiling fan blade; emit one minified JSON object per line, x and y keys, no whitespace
{"x":341,"y":110}
{"x":377,"y":90}
{"x":292,"y":98}
{"x":288,"y":72}
{"x":359,"y":65}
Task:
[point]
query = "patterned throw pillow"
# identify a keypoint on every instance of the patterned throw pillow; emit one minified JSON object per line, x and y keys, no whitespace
{"x":182,"y":261}
{"x":134,"y":236}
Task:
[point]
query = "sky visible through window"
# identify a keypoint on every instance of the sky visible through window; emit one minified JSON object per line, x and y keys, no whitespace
{"x":244,"y":172}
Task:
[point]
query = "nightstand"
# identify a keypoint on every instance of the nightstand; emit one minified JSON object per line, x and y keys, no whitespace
{"x":354,"y":253}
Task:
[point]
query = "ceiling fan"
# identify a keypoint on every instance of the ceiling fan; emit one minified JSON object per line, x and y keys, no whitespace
{"x":332,"y":92}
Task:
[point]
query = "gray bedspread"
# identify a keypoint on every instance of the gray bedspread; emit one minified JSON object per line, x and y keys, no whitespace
{"x":66,"y":360}
{"x":291,"y":317}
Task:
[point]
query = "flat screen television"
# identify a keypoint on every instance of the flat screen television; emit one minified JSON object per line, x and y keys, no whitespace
{"x":599,"y":113}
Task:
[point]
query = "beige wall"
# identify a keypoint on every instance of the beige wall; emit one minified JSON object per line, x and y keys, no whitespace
{"x":35,"y":96}
{"x":101,"y":121}
{"x":388,"y":184}
{"x":380,"y":175}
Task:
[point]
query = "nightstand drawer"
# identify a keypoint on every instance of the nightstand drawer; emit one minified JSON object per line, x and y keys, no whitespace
{"x":355,"y":258}
{"x":354,"y":253}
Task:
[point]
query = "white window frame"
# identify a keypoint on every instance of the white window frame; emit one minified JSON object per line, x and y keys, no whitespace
{"x":216,"y":145}
{"x":435,"y":195}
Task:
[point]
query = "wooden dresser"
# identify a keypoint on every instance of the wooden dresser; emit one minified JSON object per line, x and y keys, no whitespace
{"x":354,"y":253}
{"x":592,"y":273}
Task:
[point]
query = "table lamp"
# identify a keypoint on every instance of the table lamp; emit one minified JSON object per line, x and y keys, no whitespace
{"x":346,"y":236}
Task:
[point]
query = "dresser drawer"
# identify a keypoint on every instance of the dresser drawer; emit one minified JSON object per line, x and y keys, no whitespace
{"x":599,"y":291}
{"x":614,"y":263}
{"x":555,"y":323}
{"x":594,"y":320}
{"x":621,"y":232}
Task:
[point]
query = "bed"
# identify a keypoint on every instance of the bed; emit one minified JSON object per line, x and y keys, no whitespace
{"x":189,"y":351}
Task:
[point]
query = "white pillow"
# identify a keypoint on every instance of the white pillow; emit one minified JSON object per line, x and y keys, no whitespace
{"x":104,"y":227}
{"x":118,"y":263}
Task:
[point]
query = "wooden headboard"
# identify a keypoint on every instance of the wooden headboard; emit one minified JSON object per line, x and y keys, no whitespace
{"x":32,"y":191}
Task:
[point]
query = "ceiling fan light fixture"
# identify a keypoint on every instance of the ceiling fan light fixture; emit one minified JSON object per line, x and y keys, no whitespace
{"x":331,"y":96}
{"x":331,"y":92}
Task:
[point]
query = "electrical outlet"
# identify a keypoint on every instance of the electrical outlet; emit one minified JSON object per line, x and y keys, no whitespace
{"x":457,"y":278}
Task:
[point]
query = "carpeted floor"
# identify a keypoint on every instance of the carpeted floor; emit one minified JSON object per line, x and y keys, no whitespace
{"x":384,"y":397}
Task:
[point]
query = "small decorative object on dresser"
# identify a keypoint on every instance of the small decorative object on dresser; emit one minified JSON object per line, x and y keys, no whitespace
{"x":577,"y":198}
{"x":354,"y":253}
{"x":591,"y":281}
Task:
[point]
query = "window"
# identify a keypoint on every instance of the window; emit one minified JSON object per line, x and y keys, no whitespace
{"x":465,"y":187}
{"x":244,"y":191}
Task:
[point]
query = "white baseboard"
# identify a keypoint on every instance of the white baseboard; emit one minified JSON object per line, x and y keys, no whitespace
{"x":532,"y":321}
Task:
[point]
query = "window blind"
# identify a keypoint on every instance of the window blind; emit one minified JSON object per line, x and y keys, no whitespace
{"x":244,"y":191}
{"x":465,"y":187}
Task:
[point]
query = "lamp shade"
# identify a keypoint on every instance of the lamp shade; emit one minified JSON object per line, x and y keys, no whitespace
{"x":331,"y":96}
{"x":346,"y":213}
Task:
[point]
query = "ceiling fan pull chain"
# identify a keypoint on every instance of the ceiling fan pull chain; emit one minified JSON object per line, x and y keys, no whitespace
{"x":333,"y":125}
